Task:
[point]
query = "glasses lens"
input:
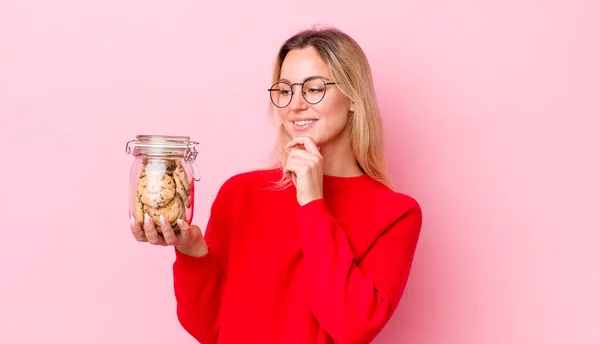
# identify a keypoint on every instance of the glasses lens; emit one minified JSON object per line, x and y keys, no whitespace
{"x":281,"y":94}
{"x":314,"y":90}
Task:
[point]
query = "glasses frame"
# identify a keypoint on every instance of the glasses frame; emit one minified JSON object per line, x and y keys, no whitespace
{"x":325,"y":83}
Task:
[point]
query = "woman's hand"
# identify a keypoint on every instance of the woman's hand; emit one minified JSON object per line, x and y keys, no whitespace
{"x":188,"y":241}
{"x":305,"y":168}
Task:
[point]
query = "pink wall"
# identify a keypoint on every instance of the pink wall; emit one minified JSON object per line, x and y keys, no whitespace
{"x":490,"y":110}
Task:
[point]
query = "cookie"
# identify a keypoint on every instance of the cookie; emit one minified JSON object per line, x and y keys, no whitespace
{"x":138,"y":209}
{"x":181,"y":190}
{"x":155,"y":173}
{"x":182,"y":215}
{"x":156,"y":191}
{"x":171,"y":212}
{"x":183,"y":177}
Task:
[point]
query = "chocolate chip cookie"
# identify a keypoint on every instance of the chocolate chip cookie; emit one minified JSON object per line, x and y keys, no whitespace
{"x":171,"y":212}
{"x":156,"y":191}
{"x":181,"y":190}
{"x":138,"y":209}
{"x":179,"y":170}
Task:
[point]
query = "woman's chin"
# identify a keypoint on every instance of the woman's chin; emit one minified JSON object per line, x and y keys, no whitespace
{"x":314,"y":138}
{"x":294,"y":134}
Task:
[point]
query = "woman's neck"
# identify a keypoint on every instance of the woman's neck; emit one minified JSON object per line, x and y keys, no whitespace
{"x":339,"y":160}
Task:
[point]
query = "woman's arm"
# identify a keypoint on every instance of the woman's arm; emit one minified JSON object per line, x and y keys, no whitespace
{"x":354,"y":302}
{"x":199,"y":281}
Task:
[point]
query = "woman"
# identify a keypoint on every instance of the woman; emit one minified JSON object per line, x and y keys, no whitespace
{"x":318,"y":248}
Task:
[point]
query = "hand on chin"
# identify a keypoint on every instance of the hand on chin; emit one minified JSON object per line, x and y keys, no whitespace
{"x":305,"y":168}
{"x":312,"y":137}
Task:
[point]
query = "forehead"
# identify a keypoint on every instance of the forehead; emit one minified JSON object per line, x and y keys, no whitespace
{"x":300,"y":64}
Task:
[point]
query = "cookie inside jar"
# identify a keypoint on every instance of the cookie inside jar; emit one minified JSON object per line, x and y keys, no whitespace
{"x":163,"y":188}
{"x":162,"y":179}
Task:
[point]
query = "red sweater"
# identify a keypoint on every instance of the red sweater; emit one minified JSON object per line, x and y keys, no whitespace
{"x":331,"y":271}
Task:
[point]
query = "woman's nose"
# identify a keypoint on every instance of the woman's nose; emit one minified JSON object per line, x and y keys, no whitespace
{"x":298,"y":101}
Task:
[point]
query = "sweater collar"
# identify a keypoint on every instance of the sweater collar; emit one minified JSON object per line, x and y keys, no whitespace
{"x":338,"y":182}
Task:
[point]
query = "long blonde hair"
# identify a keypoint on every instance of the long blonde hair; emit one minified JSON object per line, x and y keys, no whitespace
{"x":350,"y":68}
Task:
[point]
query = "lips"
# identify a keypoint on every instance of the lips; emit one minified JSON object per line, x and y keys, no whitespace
{"x":304,"y":122}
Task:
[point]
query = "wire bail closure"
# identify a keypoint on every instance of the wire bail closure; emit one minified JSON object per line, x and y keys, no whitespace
{"x":189,"y":155}
{"x":128,"y":149}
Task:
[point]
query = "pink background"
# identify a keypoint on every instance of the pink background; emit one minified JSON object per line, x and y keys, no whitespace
{"x":491,"y":110}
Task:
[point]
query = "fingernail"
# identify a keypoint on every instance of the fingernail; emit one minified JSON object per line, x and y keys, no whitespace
{"x":132,"y":221}
{"x":162,"y":220}
{"x":180,"y":222}
{"x":146,"y":219}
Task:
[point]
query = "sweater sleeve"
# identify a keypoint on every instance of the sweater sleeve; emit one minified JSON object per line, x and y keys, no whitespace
{"x":353,"y":302}
{"x":199,"y":281}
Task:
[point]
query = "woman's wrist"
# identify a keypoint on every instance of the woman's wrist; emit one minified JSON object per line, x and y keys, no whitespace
{"x":197,"y":251}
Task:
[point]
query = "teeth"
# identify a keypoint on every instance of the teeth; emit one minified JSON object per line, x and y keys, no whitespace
{"x":305,"y":122}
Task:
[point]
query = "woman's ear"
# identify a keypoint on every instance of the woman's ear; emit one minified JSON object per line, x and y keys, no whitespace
{"x":351,"y":109}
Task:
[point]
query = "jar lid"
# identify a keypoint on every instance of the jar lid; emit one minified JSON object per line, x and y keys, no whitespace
{"x":159,"y":144}
{"x":165,"y":146}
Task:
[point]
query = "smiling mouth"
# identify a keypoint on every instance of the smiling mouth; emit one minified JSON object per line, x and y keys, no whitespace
{"x":304,"y":123}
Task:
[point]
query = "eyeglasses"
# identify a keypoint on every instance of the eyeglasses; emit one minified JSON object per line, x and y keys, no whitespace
{"x":313,"y":91}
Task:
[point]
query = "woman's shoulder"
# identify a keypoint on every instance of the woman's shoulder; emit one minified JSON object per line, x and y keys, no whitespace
{"x":252,"y":179}
{"x":387,"y":206}
{"x":383,"y":196}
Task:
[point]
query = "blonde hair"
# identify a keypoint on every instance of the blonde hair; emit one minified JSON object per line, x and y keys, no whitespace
{"x":351,"y":70}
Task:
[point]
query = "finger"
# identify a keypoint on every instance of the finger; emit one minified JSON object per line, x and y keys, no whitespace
{"x":308,"y":143}
{"x":301,"y":165}
{"x":290,"y":173}
{"x":136,"y":230}
{"x":295,"y":143}
{"x":293,"y":168}
{"x":185,"y":235}
{"x":289,"y":169}
{"x":303,"y":154}
{"x":311,"y":146}
{"x":167,"y":232}
{"x":300,"y":156}
{"x":151,"y":233}
{"x":287,"y":174}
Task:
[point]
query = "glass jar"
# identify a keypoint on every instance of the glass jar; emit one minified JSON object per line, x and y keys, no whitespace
{"x":162,"y":179}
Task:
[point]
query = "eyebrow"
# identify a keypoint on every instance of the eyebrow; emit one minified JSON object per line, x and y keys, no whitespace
{"x":309,"y":77}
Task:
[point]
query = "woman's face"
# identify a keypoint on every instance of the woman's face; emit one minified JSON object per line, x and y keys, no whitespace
{"x":325,"y":121}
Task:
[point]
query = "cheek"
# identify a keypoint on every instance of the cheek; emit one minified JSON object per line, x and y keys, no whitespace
{"x":335,"y":111}
{"x":281,"y":114}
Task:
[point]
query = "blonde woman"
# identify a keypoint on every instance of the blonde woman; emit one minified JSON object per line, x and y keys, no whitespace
{"x":318,"y":248}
